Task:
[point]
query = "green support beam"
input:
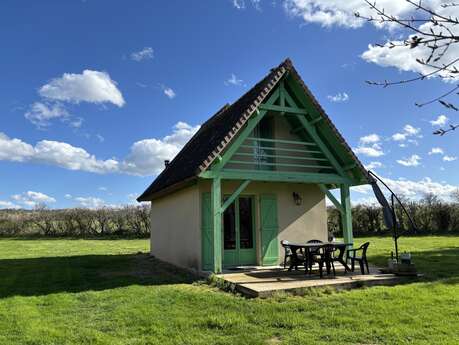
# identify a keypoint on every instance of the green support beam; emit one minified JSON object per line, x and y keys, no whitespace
{"x":283,"y":141}
{"x":331,"y":197}
{"x":251,"y":124}
{"x":289,"y":165}
{"x":314,"y":135}
{"x":282,"y":93}
{"x":349,"y":166}
{"x":346,"y":218}
{"x":233,"y":196}
{"x":269,"y":175}
{"x":316,"y":120}
{"x":297,"y":130}
{"x":283,"y":109}
{"x":216,"y":199}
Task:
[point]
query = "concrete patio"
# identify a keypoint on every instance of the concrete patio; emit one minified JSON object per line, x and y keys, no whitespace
{"x":265,"y":281}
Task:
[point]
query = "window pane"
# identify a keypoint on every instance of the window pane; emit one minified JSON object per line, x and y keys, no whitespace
{"x":229,"y":228}
{"x":245,"y":222}
{"x":262,"y":155}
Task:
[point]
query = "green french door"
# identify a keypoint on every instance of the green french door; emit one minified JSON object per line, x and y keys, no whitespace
{"x":239,"y":233}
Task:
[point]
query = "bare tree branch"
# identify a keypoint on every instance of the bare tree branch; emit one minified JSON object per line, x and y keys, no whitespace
{"x":433,"y":31}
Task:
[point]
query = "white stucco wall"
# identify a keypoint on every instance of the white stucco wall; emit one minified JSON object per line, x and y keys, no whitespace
{"x":175,"y":228}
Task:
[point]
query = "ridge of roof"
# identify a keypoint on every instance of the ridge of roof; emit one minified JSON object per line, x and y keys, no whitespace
{"x":217,"y":132}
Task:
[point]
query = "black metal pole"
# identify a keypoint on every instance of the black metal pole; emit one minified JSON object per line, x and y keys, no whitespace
{"x":394,"y":226}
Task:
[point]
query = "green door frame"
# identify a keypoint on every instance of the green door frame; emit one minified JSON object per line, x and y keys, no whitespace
{"x":241,"y":256}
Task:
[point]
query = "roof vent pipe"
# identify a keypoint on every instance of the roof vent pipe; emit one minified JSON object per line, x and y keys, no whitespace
{"x":166,"y":163}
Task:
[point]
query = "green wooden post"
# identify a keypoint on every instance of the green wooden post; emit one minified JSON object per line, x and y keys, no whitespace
{"x":216,"y":196}
{"x":331,"y":197}
{"x":346,"y":216}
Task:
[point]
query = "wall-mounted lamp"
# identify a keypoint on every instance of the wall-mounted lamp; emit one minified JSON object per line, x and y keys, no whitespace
{"x":297,"y":199}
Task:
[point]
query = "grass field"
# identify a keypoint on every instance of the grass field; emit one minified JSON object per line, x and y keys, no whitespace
{"x":62,"y":291}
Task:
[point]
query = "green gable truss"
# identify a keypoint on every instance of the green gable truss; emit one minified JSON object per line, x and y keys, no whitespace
{"x":316,"y":156}
{"x":237,"y":144}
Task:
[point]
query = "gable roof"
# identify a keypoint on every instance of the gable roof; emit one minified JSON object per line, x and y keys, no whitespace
{"x":217,"y":132}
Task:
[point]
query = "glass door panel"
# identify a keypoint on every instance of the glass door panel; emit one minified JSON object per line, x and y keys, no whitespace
{"x":245,"y":223}
{"x":229,"y":228}
{"x":238,"y":233}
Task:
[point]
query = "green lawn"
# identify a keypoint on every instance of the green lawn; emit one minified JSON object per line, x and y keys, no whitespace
{"x":63,"y":291}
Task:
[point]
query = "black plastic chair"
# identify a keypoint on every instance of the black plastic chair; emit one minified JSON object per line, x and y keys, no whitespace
{"x":287,"y":252}
{"x":326,"y":257}
{"x":312,"y":253}
{"x":362,"y":259}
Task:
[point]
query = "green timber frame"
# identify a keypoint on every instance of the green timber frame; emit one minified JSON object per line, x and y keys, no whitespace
{"x":309,"y":160}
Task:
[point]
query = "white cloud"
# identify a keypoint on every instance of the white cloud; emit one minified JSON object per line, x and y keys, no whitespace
{"x":32,"y":199}
{"x":436,"y":151}
{"x":103,"y":189}
{"x":363,"y":189}
{"x":68,"y":196}
{"x":405,"y":59}
{"x":233,"y":80}
{"x":339,"y":97}
{"x":71,"y":157}
{"x":53,"y":153}
{"x":146,"y":157}
{"x":411,"y":161}
{"x":76,"y":123}
{"x":239,"y":4}
{"x":341,"y":13}
{"x":371,"y":151}
{"x":144,"y":54}
{"x":370,"y":146}
{"x":417,"y":189}
{"x":90,"y":202}
{"x":370,"y":139}
{"x":449,"y":158}
{"x":440,"y":121}
{"x":408,"y":131}
{"x":100,"y":138}
{"x":15,"y":149}
{"x":169,"y":92}
{"x":338,"y":12}
{"x":40,"y":113}
{"x":411,"y":189}
{"x":368,"y":201}
{"x":373,"y":165}
{"x":8,"y":205}
{"x":399,"y":136}
{"x":90,"y":86}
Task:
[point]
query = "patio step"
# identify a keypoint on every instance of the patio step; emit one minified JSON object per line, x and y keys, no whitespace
{"x":266,"y":282}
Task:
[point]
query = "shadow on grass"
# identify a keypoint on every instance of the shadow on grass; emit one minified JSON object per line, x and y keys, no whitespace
{"x":42,"y":276}
{"x":441,"y":264}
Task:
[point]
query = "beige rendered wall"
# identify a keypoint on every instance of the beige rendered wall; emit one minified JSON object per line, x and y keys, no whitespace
{"x":296,"y":223}
{"x":175,"y":228}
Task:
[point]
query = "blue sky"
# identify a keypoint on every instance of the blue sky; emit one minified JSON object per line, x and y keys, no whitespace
{"x":96,"y":94}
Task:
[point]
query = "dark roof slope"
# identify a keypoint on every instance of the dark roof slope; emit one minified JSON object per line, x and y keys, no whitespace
{"x":215,"y":134}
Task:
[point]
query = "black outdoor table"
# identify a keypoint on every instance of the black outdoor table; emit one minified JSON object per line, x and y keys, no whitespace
{"x":294,"y":247}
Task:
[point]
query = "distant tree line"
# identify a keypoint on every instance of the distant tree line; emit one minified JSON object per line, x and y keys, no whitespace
{"x":128,"y":221}
{"x":431,"y":215}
